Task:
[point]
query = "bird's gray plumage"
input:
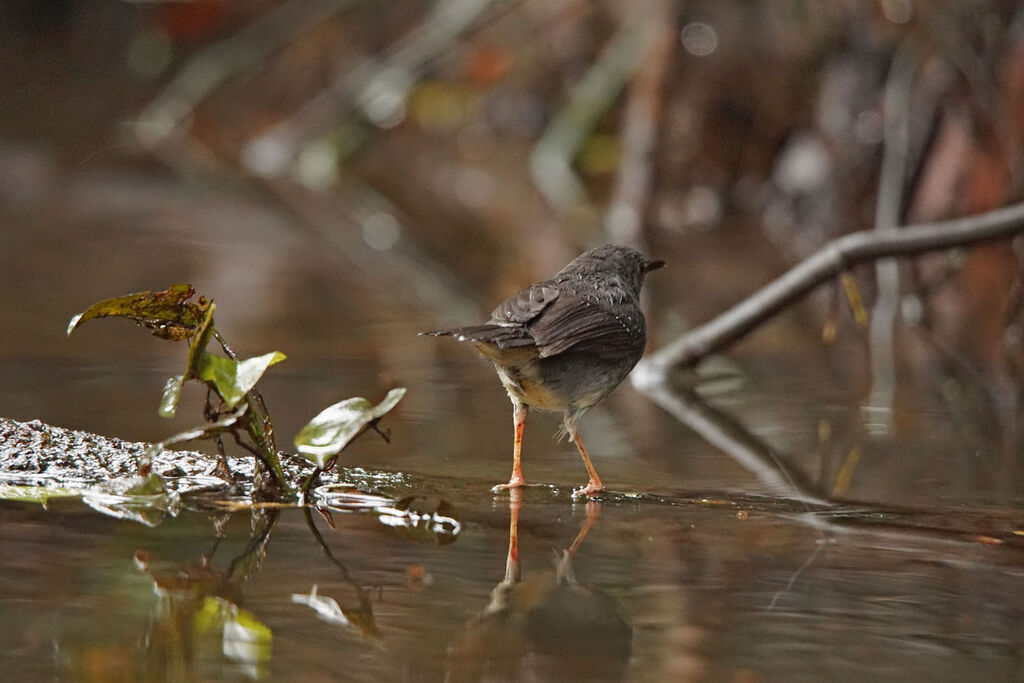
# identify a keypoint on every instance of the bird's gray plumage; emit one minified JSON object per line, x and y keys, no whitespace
{"x":564,"y":343}
{"x":580,"y":332}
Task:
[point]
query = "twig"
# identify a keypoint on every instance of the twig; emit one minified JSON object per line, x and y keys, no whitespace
{"x":378,"y":87}
{"x":165,"y":116}
{"x":826,"y":263}
{"x":258,"y":408}
{"x":552,"y":156}
{"x":888,"y":211}
{"x":365,"y":607}
{"x":642,"y":118}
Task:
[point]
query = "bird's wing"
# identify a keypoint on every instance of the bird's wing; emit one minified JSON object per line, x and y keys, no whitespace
{"x":523,"y":307}
{"x":502,"y":336}
{"x":507,"y":327}
{"x":573,"y":322}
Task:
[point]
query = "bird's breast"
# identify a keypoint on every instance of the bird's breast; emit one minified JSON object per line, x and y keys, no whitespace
{"x":525,"y":387}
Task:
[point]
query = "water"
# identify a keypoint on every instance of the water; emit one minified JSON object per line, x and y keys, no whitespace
{"x":691,"y":571}
{"x":706,"y":579}
{"x":703,"y":590}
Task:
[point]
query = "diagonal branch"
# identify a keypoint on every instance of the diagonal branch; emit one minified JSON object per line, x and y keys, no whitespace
{"x":166,"y":115}
{"x":826,"y":263}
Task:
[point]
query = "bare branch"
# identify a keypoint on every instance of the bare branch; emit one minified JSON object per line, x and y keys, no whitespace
{"x":641,"y":123}
{"x":826,"y":263}
{"x":379,"y":87}
{"x":172,"y":109}
{"x":552,"y":156}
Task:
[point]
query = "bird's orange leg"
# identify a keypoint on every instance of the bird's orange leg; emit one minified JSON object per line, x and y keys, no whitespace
{"x":594,"y":485}
{"x":512,"y":570}
{"x":516,"y":481}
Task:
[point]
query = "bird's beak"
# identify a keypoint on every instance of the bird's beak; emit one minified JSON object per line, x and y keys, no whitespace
{"x":653,"y":265}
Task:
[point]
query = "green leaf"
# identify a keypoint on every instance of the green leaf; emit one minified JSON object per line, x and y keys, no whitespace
{"x":169,"y":314}
{"x":169,"y":399}
{"x":34,"y":494}
{"x":335,"y":427}
{"x":233,"y":379}
{"x":172,"y":389}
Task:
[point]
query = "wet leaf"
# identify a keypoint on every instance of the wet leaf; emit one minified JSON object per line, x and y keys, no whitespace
{"x":233,"y":379}
{"x":202,"y":338}
{"x":143,"y":499}
{"x":246,"y":638}
{"x":169,"y":314}
{"x":34,"y":494}
{"x":170,"y":396}
{"x":327,"y":608}
{"x":335,"y":427}
{"x":208,"y":618}
{"x":172,"y":389}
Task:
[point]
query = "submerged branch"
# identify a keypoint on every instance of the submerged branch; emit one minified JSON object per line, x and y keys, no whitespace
{"x":723,"y":432}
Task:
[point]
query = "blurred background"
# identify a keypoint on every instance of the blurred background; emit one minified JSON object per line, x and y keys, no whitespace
{"x":340,"y":175}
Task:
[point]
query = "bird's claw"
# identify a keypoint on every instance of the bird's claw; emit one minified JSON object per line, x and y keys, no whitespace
{"x":514,"y":483}
{"x":588,"y":491}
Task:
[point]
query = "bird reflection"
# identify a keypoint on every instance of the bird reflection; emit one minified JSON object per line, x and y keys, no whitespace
{"x":546,"y":626}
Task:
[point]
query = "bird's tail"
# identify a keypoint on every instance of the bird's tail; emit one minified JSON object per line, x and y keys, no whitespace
{"x":502,"y":336}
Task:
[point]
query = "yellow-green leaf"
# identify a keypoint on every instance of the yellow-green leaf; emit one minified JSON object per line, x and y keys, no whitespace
{"x":169,"y":314}
{"x":169,"y":399}
{"x":335,"y":426}
{"x":233,"y":379}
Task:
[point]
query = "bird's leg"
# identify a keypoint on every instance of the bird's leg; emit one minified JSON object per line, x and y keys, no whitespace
{"x":519,"y":411}
{"x":564,"y":568}
{"x":594,"y":485}
{"x":593,"y":512}
{"x":512,"y":571}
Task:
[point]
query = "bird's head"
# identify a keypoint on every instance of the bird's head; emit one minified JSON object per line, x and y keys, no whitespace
{"x":623,"y":264}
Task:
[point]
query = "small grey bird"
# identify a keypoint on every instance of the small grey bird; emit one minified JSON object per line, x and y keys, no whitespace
{"x":564,"y":343}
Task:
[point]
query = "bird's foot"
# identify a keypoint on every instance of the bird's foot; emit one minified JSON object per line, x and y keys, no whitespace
{"x":513,"y":483}
{"x":589,"y":490}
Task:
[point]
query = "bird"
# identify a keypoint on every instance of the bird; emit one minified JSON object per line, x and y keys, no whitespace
{"x":563,"y":344}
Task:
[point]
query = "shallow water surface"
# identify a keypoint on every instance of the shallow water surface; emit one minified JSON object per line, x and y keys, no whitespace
{"x":677,"y":587}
